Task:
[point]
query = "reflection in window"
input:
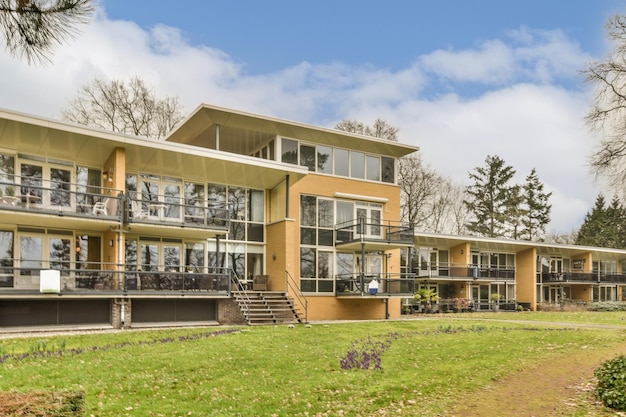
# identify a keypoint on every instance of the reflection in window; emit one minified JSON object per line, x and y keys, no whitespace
{"x":194,"y":257}
{"x":60,"y":187}
{"x":289,"y":151}
{"x":31,"y":249}
{"x":7,"y":171}
{"x":325,"y":159}
{"x":60,"y":249}
{"x":307,"y":156}
{"x":388,"y":170}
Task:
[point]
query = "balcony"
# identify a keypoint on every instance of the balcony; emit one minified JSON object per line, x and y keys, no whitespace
{"x":170,"y":210}
{"x":464,"y":272}
{"x":400,"y":285}
{"x":36,"y":196}
{"x":108,"y":281}
{"x":582,"y":277}
{"x":376,"y":235}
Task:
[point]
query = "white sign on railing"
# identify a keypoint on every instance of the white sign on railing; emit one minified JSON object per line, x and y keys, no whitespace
{"x":50,"y":281}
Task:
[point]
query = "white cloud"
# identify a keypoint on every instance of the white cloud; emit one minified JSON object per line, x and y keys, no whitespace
{"x":525,"y":119}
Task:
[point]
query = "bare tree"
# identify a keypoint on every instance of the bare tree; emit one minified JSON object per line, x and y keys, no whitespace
{"x":33,"y":28}
{"x":380,"y":129}
{"x":418,"y":185}
{"x":126,"y":108}
{"x":430,"y":202}
{"x":608,"y":112}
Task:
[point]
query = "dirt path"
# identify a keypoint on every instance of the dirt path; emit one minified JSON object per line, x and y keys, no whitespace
{"x":551,"y":388}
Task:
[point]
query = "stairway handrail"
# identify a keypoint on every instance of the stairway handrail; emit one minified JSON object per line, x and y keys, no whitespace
{"x":242,"y":290}
{"x":299,"y":295}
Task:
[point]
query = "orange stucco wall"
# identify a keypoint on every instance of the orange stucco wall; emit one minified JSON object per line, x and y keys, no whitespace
{"x":323,"y":307}
{"x":333,"y":308}
{"x":526,"y":277}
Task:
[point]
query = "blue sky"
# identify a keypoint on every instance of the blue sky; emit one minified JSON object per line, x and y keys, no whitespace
{"x":461,"y":79}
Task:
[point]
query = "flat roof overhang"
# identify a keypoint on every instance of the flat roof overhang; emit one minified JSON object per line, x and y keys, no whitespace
{"x":241,"y":132}
{"x":506,"y":245}
{"x":62,"y":142}
{"x":370,"y":245}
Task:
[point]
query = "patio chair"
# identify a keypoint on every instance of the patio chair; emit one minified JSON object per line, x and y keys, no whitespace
{"x":137,"y":210}
{"x":259,"y":282}
{"x":100,"y":207}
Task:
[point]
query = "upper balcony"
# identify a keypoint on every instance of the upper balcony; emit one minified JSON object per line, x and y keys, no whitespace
{"x":106,"y":279}
{"x":374,"y":234}
{"x":451,"y":271}
{"x":25,"y":196}
{"x":582,"y":277}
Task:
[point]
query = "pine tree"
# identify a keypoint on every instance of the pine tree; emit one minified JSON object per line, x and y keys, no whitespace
{"x":489,"y":198}
{"x":536,"y":215}
{"x":595,"y":227}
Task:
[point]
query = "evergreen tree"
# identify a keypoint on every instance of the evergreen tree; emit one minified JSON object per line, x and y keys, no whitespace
{"x":489,"y":198}
{"x":595,"y":228}
{"x":536,"y":215}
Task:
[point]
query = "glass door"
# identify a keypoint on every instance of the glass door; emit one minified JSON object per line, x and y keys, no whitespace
{"x":369,"y":220}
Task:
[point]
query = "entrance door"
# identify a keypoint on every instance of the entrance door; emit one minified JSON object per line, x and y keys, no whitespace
{"x":480,"y":296}
{"x":369,"y":217}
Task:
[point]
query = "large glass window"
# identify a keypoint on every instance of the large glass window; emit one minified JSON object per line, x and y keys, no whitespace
{"x":342,"y":162}
{"x":325,"y":159}
{"x":7,"y":171}
{"x":388,"y":170}
{"x":373,"y":168}
{"x":6,"y":259}
{"x":289,"y":151}
{"x":307,"y":156}
{"x":357,"y":164}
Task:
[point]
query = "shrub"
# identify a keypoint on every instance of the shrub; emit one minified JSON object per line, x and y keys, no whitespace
{"x":611,"y":389}
{"x":607,"y":306}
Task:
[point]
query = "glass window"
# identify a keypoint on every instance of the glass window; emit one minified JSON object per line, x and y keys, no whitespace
{"x":325,"y":264}
{"x":289,"y":151}
{"x":32,"y":180}
{"x":31,"y":249}
{"x":60,"y":250}
{"x":326,"y":213}
{"x":307,"y":211}
{"x":345,"y":264}
{"x":357,"y":164}
{"x":388,"y":170}
{"x":307,"y":157}
{"x":307,"y":262}
{"x":255,"y":209}
{"x":325,"y":159}
{"x":194,"y":257}
{"x":342,"y":162}
{"x":373,"y":168}
{"x":6,"y":248}
{"x":7,"y":171}
{"x":272,"y":151}
{"x":87,"y":188}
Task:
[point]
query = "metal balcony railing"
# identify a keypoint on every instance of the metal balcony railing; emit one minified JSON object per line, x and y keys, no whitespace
{"x":105,"y":278}
{"x":464,"y":272}
{"x":388,"y":284}
{"x":373,"y":230}
{"x":170,"y":209}
{"x":37,"y":195}
{"x":582,"y":277}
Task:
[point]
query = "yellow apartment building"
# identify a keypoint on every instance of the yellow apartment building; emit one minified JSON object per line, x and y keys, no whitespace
{"x":239,"y":218}
{"x":233,"y":218}
{"x":481,"y":273}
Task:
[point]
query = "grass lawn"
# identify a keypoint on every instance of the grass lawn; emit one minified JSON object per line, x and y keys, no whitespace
{"x":404,"y":367}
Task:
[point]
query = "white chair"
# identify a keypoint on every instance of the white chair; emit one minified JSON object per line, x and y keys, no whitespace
{"x":100,"y":207}
{"x":137,"y":210}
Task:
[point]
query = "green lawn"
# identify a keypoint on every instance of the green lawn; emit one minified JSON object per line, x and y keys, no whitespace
{"x":424,"y":365}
